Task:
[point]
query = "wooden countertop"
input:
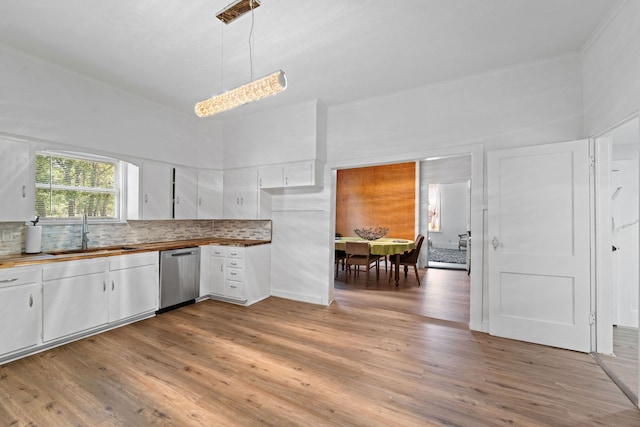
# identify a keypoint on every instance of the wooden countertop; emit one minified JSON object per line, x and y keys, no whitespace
{"x":7,"y":261}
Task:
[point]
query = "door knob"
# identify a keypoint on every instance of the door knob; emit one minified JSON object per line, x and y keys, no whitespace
{"x":495,"y":242}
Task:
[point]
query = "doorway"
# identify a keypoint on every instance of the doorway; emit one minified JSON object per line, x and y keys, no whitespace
{"x":444,"y":211}
{"x":618,"y":304}
{"x":444,"y":294}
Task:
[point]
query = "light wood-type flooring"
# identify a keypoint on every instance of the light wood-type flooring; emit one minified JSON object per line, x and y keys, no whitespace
{"x":373,"y":358}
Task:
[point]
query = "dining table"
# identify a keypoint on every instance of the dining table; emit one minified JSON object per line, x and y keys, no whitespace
{"x":383,"y":246}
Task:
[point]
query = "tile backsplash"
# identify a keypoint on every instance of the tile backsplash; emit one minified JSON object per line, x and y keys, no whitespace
{"x":57,"y":237}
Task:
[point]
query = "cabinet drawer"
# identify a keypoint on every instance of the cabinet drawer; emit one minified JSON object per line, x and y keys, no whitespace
{"x":236,"y":274}
{"x":234,"y":289}
{"x":61,"y":270}
{"x":234,"y":263}
{"x":133,"y":260}
{"x":19,"y":276}
{"x":217,"y":251}
{"x":234,"y":252}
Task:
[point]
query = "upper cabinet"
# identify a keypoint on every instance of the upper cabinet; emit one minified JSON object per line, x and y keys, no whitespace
{"x":210,"y":194}
{"x":185,"y":193}
{"x":297,"y":174}
{"x":18,"y":188}
{"x":241,"y":194}
{"x":180,"y":193}
{"x":155,"y":194}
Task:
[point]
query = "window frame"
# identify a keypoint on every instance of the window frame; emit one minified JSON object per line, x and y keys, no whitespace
{"x":120,"y":190}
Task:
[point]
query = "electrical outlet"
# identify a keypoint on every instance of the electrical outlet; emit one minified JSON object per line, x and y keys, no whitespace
{"x":7,"y":235}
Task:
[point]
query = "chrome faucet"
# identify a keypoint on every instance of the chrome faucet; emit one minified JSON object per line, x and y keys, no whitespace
{"x":85,"y":231}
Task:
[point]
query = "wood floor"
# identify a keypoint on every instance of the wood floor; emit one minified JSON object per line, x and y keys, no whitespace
{"x":363,"y":361}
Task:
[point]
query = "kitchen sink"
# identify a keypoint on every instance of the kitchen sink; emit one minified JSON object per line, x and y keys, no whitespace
{"x":92,"y":250}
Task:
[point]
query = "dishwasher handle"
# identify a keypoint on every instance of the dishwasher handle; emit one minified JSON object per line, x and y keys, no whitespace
{"x":183,"y":254}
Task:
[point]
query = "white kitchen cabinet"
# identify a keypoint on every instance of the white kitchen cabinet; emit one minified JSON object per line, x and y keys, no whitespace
{"x":20,"y":290}
{"x":156,"y":194}
{"x":290,"y":175}
{"x":134,"y":285}
{"x":17,"y":191}
{"x":238,"y":274}
{"x":210,"y":194}
{"x":241,"y":194}
{"x":212,"y":270}
{"x":185,"y":193}
{"x":74,"y":297}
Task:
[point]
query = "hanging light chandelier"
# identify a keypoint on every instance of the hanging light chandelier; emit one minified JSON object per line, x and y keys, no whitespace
{"x":254,"y":90}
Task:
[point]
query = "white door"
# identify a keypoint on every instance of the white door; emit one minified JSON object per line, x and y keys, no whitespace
{"x":539,"y":244}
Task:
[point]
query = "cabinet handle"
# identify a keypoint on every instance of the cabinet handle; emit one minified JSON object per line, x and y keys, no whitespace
{"x":8,"y":280}
{"x":260,"y":182}
{"x":242,"y":200}
{"x":221,"y":268}
{"x":237,"y":200}
{"x":113,"y":286}
{"x":104,"y":286}
{"x":233,"y":274}
{"x":286,"y":180}
{"x":200,"y":201}
{"x":232,"y":286}
{"x":30,"y":300}
{"x":24,"y":191}
{"x":146,"y":198}
{"x":177,"y":200}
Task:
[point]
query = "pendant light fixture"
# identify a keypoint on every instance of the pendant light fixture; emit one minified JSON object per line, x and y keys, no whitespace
{"x":254,"y":90}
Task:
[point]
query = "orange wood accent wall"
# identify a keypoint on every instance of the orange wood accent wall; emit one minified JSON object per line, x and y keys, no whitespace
{"x":383,"y":196}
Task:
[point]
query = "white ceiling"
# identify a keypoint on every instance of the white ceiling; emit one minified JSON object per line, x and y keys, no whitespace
{"x":339,"y":51}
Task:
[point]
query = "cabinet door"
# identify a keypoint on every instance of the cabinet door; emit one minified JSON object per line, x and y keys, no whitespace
{"x":18,"y":189}
{"x":216,"y":275}
{"x":19,"y":315}
{"x":299,"y":174}
{"x":241,"y":194}
{"x":210,"y":194}
{"x":270,"y":177}
{"x":185,"y":193}
{"x":74,"y":304}
{"x":156,"y":191}
{"x":133,"y":291}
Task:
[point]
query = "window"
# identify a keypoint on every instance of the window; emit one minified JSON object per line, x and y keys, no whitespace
{"x":434,"y":207}
{"x":71,"y":184}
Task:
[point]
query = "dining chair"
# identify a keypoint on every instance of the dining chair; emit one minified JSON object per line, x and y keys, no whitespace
{"x":359,"y":254}
{"x":339,"y":258}
{"x":410,"y":258}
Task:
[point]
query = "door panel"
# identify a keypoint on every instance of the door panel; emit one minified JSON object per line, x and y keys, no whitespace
{"x":539,"y":235}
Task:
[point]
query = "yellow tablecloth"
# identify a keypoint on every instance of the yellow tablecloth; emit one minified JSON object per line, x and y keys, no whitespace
{"x":383,"y":246}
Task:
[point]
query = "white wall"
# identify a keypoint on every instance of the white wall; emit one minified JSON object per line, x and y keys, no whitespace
{"x":46,"y":103}
{"x":284,"y":135}
{"x":532,"y":104}
{"x":612,"y":71}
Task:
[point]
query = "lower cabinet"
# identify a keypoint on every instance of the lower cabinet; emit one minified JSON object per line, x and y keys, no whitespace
{"x":133,"y":282}
{"x":74,"y":297}
{"x":78,"y":296}
{"x":236,"y":274}
{"x":19,"y":309}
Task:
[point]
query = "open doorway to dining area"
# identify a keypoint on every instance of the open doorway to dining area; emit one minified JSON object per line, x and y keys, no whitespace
{"x":391,"y":197}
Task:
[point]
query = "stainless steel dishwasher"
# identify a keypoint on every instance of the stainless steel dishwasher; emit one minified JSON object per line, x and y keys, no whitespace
{"x":179,"y":277}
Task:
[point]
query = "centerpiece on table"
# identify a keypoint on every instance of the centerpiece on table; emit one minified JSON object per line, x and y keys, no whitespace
{"x":371,"y":233}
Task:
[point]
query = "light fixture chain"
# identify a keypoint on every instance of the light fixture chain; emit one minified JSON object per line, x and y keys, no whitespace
{"x":251,"y":39}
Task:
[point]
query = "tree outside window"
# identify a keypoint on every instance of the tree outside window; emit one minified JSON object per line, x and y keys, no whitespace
{"x":69,"y":186}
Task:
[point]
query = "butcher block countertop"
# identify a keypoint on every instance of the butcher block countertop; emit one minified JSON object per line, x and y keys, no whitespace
{"x":7,"y":261}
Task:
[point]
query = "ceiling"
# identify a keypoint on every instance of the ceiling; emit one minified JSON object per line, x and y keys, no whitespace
{"x":177,"y":53}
